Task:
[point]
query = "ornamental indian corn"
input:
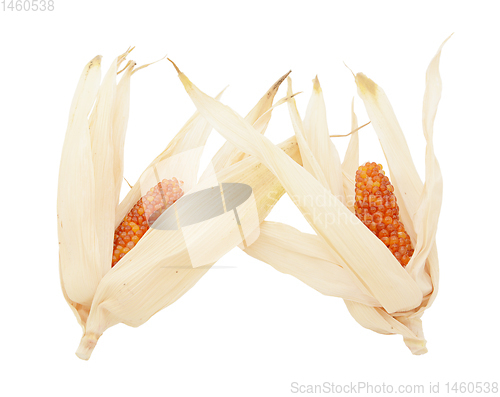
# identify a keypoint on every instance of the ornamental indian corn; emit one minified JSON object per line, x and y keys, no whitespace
{"x":345,"y":258}
{"x":123,"y":262}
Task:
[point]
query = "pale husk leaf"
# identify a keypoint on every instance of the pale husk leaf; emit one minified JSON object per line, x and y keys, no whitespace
{"x":101,"y":133}
{"x":378,"y":320}
{"x":371,"y":265}
{"x":78,"y":246}
{"x":404,"y":176}
{"x":427,"y":214}
{"x":351,"y":162}
{"x":306,"y":257}
{"x":351,"y":158}
{"x":120,"y":122}
{"x":228,"y":155}
{"x":308,"y":159}
{"x":318,"y":138}
{"x":432,"y":195}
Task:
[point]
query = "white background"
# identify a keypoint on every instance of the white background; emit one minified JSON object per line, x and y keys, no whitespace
{"x":245,"y":329}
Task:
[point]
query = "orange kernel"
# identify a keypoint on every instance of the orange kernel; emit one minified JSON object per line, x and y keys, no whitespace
{"x":136,"y":223}
{"x":376,"y":206}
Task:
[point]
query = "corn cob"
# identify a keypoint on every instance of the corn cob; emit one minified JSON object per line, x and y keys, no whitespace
{"x":152,"y":278}
{"x":143,"y":214}
{"x":395,"y":302}
{"x":377,"y":208}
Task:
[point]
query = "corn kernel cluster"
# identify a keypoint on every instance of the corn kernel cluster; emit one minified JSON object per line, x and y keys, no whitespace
{"x":143,"y":214}
{"x":377,"y":208}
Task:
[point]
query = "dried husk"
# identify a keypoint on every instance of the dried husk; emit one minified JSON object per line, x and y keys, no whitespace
{"x":159,"y":270}
{"x":351,"y":162}
{"x":306,"y":257}
{"x":261,"y":112}
{"x":419,"y":203}
{"x":323,"y":261}
{"x":322,"y":147}
{"x":79,"y":275}
{"x":140,"y":285}
{"x":373,"y":268}
{"x":86,"y":191}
